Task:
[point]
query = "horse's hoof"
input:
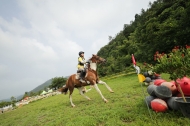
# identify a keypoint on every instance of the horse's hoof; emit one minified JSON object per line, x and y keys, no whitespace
{"x":111,"y":91}
{"x":73,"y":106}
{"x":106,"y":101}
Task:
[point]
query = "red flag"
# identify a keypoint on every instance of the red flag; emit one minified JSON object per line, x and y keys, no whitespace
{"x":133,"y":59}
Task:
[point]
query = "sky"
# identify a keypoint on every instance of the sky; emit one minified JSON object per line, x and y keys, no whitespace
{"x":40,"y":39}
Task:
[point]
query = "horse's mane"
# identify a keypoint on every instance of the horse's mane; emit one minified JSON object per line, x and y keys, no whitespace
{"x":93,"y":56}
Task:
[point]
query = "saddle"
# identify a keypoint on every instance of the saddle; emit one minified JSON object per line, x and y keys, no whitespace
{"x":82,"y":74}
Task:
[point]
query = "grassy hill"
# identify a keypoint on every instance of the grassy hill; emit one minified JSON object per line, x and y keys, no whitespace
{"x":126,"y":106}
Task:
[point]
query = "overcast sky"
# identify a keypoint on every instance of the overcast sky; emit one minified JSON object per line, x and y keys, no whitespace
{"x":40,"y":39}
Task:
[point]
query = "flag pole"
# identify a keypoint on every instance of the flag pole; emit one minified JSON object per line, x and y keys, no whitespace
{"x":141,"y":78}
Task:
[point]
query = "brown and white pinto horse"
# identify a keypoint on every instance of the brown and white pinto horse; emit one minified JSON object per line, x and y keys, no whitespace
{"x":91,"y":78}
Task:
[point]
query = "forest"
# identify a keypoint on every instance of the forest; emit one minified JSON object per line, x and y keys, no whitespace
{"x":163,"y":26}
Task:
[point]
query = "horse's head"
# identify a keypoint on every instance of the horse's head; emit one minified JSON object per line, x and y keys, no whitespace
{"x":97,"y":59}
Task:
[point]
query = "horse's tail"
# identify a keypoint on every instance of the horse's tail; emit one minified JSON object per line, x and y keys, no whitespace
{"x":64,"y":89}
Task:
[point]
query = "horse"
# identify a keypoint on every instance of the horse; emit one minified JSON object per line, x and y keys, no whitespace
{"x":91,"y":78}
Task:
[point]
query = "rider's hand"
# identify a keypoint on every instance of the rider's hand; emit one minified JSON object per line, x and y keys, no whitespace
{"x":87,"y":62}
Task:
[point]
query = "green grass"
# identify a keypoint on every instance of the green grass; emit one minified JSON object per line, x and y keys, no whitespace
{"x":126,"y":106}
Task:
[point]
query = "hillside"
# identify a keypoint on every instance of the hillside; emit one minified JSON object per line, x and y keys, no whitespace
{"x":42,"y":86}
{"x":160,"y":28}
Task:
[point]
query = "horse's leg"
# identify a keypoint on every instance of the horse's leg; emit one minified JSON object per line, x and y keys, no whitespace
{"x":81,"y":92}
{"x":98,"y":90}
{"x":84,"y":90}
{"x":104,"y":83}
{"x":70,"y":96}
{"x":87,"y":90}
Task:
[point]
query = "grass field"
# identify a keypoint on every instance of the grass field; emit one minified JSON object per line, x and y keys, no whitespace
{"x":126,"y":106}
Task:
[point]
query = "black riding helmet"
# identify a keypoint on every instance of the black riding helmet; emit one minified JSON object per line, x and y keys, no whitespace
{"x":81,"y":52}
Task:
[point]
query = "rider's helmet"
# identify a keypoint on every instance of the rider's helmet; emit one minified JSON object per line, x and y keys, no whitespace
{"x":81,"y":52}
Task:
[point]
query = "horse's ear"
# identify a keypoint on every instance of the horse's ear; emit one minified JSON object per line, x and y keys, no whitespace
{"x":92,"y":54}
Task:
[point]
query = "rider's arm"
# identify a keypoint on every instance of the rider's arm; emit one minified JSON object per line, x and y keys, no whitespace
{"x":81,"y":61}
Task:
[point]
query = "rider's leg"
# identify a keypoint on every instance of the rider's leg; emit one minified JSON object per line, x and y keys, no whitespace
{"x":80,"y":74}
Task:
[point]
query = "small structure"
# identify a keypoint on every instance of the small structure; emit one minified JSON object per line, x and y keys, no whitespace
{"x":50,"y":91}
{"x":43,"y":93}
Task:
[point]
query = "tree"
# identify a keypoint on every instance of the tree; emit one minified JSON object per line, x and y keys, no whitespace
{"x":39,"y":92}
{"x":3,"y":103}
{"x":57,"y":82}
{"x":13,"y":101}
{"x":25,"y":95}
{"x":109,"y":38}
{"x":32,"y":93}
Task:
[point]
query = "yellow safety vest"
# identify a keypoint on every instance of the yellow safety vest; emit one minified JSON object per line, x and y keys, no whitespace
{"x":81,"y":63}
